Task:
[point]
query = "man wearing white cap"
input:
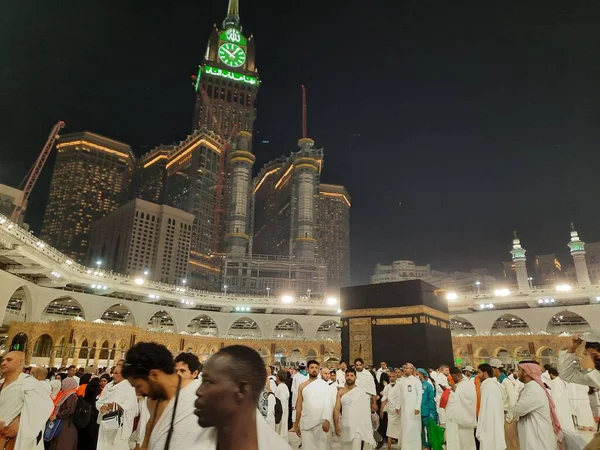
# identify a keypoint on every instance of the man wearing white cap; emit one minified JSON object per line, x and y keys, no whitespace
{"x":469,"y":373}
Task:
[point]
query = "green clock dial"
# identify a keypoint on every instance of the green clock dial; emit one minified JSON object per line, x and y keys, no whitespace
{"x":232,"y":54}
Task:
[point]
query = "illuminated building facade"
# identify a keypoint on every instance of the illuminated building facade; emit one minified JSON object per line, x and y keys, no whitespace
{"x":150,"y":176}
{"x":334,"y":233}
{"x":227,"y":81}
{"x":193,"y":172}
{"x":143,"y":239}
{"x":91,"y":178}
{"x":285,"y":210}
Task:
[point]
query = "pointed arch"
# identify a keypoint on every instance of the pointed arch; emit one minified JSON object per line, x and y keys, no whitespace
{"x":161,"y":320}
{"x":203,"y":324}
{"x":43,"y":346}
{"x":288,"y":327}
{"x":460,"y":325}
{"x":567,"y":321}
{"x":20,"y":342}
{"x":510,"y":324}
{"x":329,"y":329}
{"x":63,"y":308}
{"x":118,"y":312}
{"x":245,"y":326}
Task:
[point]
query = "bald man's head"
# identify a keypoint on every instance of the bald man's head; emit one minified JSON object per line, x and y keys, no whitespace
{"x":13,"y":362}
{"x":40,"y":373}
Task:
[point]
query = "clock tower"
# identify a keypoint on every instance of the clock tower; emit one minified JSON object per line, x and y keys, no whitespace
{"x":227,"y":80}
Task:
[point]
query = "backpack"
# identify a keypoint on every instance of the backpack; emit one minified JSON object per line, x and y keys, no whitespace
{"x":278,"y":409}
{"x":82,"y":414}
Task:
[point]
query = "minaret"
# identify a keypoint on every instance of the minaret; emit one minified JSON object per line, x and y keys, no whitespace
{"x":577,"y":247}
{"x":518,"y":257}
{"x":240,"y":161}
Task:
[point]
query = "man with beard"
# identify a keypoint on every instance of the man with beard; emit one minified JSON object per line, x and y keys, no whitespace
{"x":313,"y":410}
{"x":366,"y":381}
{"x":232,"y":381}
{"x":150,"y":368}
{"x":352,"y":405}
{"x":411,"y":393}
{"x":117,"y":395}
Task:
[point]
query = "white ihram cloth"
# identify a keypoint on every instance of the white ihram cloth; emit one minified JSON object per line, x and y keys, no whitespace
{"x":138,"y":436}
{"x":123,"y":394}
{"x":340,"y":377}
{"x":441,"y":381}
{"x":560,"y":396}
{"x":392,"y":398}
{"x":365,"y":380}
{"x":267,"y":438}
{"x":30,"y":399}
{"x":297,"y":380}
{"x":316,"y":408}
{"x":186,"y":432}
{"x":461,"y":417}
{"x":490,"y":428}
{"x":535,"y":425}
{"x":333,"y":390}
{"x":356,"y":416}
{"x":378,"y":374}
{"x":580,"y":405}
{"x":411,"y":393}
{"x":283,"y":394}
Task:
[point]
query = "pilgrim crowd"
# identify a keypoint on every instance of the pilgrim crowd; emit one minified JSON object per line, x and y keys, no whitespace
{"x":151,"y":401}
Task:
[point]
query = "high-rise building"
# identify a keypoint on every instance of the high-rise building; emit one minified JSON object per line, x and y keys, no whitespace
{"x":194,"y":171}
{"x":91,"y":178}
{"x":143,"y":239}
{"x":150,"y":176}
{"x":285,"y":212}
{"x":227,"y":81}
{"x":334,"y":234}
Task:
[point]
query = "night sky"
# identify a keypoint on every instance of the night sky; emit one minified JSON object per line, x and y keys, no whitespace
{"x":450,"y":123}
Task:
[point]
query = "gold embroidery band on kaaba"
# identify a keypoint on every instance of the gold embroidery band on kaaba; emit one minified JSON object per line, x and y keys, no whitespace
{"x":397,"y":311}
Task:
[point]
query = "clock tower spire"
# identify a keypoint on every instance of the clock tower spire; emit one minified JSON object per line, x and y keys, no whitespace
{"x":233,"y":15}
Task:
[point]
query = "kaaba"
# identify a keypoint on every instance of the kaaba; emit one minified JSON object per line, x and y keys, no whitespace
{"x":399,"y":322}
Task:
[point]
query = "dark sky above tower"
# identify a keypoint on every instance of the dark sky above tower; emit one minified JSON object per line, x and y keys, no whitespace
{"x":450,"y":124}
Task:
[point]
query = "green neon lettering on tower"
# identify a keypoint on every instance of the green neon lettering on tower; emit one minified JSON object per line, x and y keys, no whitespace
{"x":233,"y":35}
{"x":231,"y":75}
{"x":198,"y":78}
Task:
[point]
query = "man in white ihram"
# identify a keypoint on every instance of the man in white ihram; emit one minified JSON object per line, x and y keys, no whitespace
{"x":300,"y":377}
{"x":366,"y":381}
{"x":283,"y":394}
{"x":441,"y":384}
{"x":351,"y":416}
{"x":461,"y":418}
{"x":25,"y":405}
{"x":390,"y":403}
{"x":490,"y":427}
{"x":313,"y":410}
{"x":117,"y":395}
{"x":411,"y":394}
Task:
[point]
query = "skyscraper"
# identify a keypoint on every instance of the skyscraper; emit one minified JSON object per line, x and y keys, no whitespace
{"x":227,"y":81}
{"x":150,"y":176}
{"x":91,"y":178}
{"x":334,"y":233}
{"x":144,"y":239}
{"x":194,"y":170}
{"x":285,"y":215}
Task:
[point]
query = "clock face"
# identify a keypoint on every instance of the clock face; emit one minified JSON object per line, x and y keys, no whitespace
{"x":232,"y":54}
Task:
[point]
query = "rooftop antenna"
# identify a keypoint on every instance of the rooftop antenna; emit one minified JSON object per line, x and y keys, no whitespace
{"x":304,"y":132}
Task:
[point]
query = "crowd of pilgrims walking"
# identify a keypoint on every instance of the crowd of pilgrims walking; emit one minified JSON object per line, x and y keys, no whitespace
{"x":151,"y":401}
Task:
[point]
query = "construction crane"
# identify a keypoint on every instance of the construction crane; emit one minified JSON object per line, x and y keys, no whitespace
{"x":31,"y":178}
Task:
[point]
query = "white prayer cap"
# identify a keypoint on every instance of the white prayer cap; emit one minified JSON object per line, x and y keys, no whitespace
{"x":496,"y":363}
{"x":592,"y":336}
{"x":470,"y":369}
